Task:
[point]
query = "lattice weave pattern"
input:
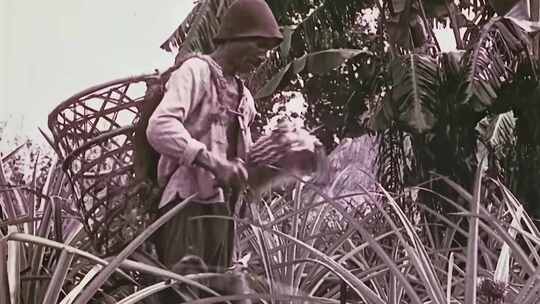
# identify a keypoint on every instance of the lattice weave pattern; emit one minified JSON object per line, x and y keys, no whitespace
{"x":93,"y":131}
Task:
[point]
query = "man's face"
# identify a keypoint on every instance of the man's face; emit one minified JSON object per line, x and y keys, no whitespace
{"x":249,"y":53}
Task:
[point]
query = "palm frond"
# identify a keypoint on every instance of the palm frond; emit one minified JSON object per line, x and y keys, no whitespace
{"x":498,"y":131}
{"x":315,"y":63}
{"x":196,"y":32}
{"x":309,"y":26}
{"x":416,"y":81}
{"x":326,"y":25}
{"x":492,"y":61}
{"x":497,"y":139}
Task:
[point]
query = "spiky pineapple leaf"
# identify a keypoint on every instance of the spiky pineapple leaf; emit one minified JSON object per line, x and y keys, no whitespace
{"x":415,"y":85}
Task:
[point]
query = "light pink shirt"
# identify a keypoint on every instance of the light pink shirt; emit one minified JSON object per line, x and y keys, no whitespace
{"x":194,"y":115}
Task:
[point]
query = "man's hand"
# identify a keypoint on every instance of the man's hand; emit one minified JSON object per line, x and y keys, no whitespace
{"x":227,"y":172}
{"x":231,"y":173}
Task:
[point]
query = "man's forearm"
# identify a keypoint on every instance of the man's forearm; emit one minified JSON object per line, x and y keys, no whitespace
{"x":227,"y":173}
{"x":206,"y":160}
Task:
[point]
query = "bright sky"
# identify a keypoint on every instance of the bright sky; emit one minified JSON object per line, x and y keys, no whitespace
{"x":50,"y":50}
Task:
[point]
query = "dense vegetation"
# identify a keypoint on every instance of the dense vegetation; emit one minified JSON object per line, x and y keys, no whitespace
{"x":441,"y":222}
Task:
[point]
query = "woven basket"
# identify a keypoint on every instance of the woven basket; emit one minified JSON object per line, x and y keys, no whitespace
{"x":93,"y":132}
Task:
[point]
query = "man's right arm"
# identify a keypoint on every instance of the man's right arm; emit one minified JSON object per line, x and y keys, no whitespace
{"x":166,"y":131}
{"x":226,"y":172}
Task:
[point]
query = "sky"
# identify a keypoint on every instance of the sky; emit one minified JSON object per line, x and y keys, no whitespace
{"x":50,"y":50}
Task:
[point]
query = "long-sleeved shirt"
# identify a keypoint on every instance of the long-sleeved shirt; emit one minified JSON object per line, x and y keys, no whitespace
{"x":199,"y":105}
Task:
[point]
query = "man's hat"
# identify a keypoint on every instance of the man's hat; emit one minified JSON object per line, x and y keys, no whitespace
{"x":248,"y":19}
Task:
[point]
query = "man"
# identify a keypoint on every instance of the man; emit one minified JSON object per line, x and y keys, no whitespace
{"x":201,"y":130}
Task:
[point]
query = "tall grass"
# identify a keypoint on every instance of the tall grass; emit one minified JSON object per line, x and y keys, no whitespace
{"x":296,"y":246}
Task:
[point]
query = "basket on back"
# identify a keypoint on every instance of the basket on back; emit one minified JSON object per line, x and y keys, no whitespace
{"x":94,"y":132}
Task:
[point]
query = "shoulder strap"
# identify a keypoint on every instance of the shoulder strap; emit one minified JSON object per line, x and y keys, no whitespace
{"x":240,"y":85}
{"x":182,"y":59}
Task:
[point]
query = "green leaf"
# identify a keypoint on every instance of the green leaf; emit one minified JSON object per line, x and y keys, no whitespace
{"x":498,"y":232}
{"x":383,"y":116}
{"x":197,"y":31}
{"x":140,"y":295}
{"x":14,"y":268}
{"x":471,"y":274}
{"x":357,"y":285}
{"x":318,"y":25}
{"x":492,"y":61}
{"x":502,"y":271}
{"x":449,"y":278}
{"x":4,"y":282}
{"x":104,"y":274}
{"x":317,"y":28}
{"x":497,"y":133}
{"x":285,"y":46}
{"x":416,"y":81}
{"x":74,"y":293}
{"x":417,"y":251}
{"x":272,"y":85}
{"x":315,"y":63}
{"x":59,"y":277}
{"x":503,"y":6}
{"x":451,"y":64}
{"x":16,"y":237}
{"x":324,"y":61}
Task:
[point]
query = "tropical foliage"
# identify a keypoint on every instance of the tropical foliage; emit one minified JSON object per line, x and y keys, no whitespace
{"x":300,"y":246}
{"x":445,"y":122}
{"x":398,"y":82}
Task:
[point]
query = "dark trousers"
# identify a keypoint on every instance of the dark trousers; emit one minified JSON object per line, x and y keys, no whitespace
{"x":186,"y":234}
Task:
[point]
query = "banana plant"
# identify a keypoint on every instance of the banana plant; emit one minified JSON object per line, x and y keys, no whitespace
{"x":196,"y":32}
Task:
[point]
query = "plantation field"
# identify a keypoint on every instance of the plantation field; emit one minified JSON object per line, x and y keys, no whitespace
{"x":426,"y":191}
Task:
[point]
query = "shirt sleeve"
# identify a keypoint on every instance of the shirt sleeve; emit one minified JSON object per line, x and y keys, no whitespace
{"x":250,"y":103}
{"x":166,"y":132}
